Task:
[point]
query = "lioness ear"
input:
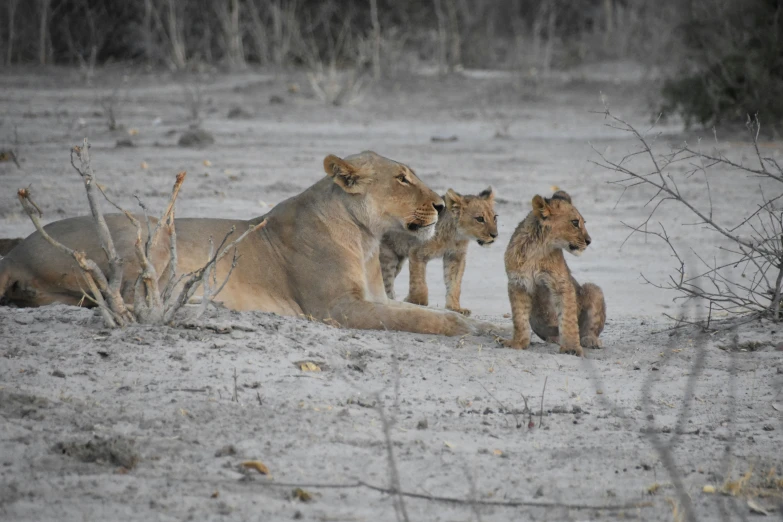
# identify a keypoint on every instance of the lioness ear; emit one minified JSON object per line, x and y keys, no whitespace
{"x":562,"y":194}
{"x":348,"y":177}
{"x":540,"y":207}
{"x":453,"y":200}
{"x":488,"y":194}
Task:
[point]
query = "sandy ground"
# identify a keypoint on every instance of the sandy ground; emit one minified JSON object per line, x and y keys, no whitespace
{"x":153,"y":423}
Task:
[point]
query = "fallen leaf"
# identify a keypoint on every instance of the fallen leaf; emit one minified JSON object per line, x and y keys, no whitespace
{"x":256,"y":465}
{"x":216,"y":494}
{"x":448,"y":444}
{"x":207,"y":163}
{"x":755,"y":508}
{"x":144,"y":165}
{"x":708,"y":489}
{"x":652,"y":490}
{"x":506,"y":316}
{"x":309,"y":366}
{"x":554,"y":188}
{"x":301,"y":494}
{"x":133,"y":132}
{"x":497,"y":452}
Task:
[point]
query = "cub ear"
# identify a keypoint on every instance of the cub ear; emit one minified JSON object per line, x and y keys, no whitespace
{"x":453,"y":200}
{"x":562,"y":194}
{"x":540,"y":207}
{"x":488,"y":194}
{"x":348,"y":177}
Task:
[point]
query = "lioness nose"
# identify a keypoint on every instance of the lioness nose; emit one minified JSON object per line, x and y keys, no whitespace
{"x":493,"y":235}
{"x":438,"y":207}
{"x":588,"y":241}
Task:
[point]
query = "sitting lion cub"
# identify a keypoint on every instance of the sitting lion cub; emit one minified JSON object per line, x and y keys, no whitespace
{"x":465,"y":218}
{"x":542,"y":292}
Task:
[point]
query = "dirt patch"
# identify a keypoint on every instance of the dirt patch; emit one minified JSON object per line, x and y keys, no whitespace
{"x":114,"y":451}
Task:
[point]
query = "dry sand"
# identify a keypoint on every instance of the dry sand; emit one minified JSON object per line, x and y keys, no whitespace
{"x":153,"y":423}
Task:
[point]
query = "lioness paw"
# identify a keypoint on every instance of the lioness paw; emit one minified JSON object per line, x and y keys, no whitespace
{"x":591,"y":341}
{"x":516,"y":344}
{"x":463,"y":311}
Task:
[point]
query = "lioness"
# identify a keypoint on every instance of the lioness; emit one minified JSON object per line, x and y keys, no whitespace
{"x":465,"y":218}
{"x":317,"y":255}
{"x":542,"y":291}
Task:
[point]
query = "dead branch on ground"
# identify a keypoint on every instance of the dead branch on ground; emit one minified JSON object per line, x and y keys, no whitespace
{"x":756,"y":236}
{"x":151,"y":305}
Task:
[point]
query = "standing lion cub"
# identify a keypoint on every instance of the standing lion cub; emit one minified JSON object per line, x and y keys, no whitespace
{"x":465,"y":218}
{"x":542,"y":291}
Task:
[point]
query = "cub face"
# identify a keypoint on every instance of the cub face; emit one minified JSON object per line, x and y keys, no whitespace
{"x":566,"y":225}
{"x":392,"y":191}
{"x":476,"y":217}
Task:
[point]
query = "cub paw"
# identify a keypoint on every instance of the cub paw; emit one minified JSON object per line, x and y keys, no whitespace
{"x":572,"y":348}
{"x":417,"y":300}
{"x":463,"y":311}
{"x":516,"y":344}
{"x":591,"y":341}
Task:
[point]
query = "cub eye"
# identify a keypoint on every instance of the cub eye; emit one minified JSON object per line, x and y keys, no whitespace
{"x":480,"y":219}
{"x":402,"y":179}
{"x":575,"y":222}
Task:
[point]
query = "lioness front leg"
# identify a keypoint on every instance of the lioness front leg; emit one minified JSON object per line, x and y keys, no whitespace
{"x":453,"y":270}
{"x":564,"y":296}
{"x":592,"y":315}
{"x":417,"y":289}
{"x":352,"y":312}
{"x":520,"y":315}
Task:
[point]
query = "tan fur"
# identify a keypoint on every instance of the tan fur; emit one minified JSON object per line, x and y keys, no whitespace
{"x":317,"y":256}
{"x":542,"y":291}
{"x":465,"y":218}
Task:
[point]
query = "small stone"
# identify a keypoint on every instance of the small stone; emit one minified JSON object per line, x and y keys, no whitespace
{"x":769,"y":427}
{"x":58,"y":373}
{"x":422,"y":424}
{"x":196,"y":138}
{"x":276,"y":99}
{"x":226,"y":450}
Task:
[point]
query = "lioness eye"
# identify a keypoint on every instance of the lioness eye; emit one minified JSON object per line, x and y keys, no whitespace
{"x":402,"y":179}
{"x":480,"y":219}
{"x":575,"y":222}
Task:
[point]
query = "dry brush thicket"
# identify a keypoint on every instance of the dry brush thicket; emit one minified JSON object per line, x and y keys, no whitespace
{"x":151,"y":303}
{"x":755,"y":235}
{"x":237,"y":32}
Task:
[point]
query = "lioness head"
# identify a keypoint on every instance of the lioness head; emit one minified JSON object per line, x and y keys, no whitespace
{"x":565,"y":224}
{"x":391,"y":191}
{"x":476,"y":218}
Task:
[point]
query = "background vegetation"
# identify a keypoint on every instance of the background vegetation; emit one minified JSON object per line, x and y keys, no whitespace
{"x":722,"y":58}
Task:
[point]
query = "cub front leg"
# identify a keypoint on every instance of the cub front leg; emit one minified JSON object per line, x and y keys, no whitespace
{"x":564,"y":295}
{"x":417,"y":289}
{"x":390,"y":267}
{"x":521,"y":301}
{"x":453,"y":270}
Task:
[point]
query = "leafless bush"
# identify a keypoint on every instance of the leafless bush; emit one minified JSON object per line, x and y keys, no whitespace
{"x":756,"y":236}
{"x":152,"y":305}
